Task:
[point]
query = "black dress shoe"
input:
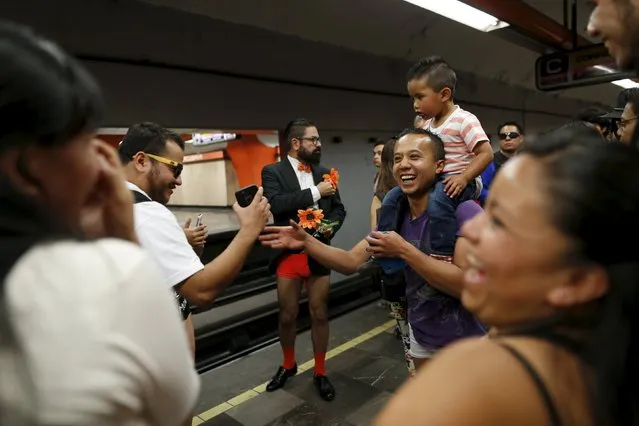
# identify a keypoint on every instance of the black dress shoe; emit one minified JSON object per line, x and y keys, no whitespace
{"x":280,"y":378}
{"x":324,"y":387}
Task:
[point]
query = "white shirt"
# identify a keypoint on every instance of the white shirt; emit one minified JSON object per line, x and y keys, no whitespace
{"x":305,"y":180}
{"x":105,"y":344}
{"x":162,"y":236}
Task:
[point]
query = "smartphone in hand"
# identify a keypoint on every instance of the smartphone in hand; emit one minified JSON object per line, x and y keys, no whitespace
{"x":244,"y":196}
{"x":198,"y":221}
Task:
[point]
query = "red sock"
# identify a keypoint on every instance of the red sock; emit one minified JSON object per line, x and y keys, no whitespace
{"x":289,"y":358}
{"x":320,"y":367}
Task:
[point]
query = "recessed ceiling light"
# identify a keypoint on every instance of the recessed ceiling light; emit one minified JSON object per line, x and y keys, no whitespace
{"x":462,"y":13}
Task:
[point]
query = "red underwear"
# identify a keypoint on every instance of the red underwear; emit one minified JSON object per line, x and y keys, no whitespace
{"x":294,"y":266}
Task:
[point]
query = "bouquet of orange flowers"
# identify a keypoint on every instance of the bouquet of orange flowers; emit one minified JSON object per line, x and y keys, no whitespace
{"x":314,"y":218}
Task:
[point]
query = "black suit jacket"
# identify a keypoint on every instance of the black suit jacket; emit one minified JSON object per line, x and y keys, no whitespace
{"x":283,"y":191}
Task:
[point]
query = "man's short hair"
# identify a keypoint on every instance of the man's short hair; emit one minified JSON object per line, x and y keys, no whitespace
{"x":511,"y":123}
{"x":295,"y":130}
{"x":439,"y":73}
{"x":146,"y":137}
{"x":625,"y":95}
{"x":435,"y":141}
{"x":633,"y":99}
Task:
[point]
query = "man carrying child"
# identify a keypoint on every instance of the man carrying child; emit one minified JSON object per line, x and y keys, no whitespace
{"x":433,"y":283}
{"x":431,"y":84}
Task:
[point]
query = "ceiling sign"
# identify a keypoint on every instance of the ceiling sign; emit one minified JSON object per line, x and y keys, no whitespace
{"x":582,"y":67}
{"x":211,"y":138}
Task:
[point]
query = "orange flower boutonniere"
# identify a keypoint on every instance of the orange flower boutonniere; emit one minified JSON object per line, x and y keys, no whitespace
{"x":332,"y":178}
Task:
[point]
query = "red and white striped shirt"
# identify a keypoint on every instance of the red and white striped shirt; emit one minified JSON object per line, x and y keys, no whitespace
{"x":461,"y":132}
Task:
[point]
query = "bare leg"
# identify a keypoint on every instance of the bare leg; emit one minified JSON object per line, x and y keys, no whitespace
{"x":420,"y":363}
{"x":317,"y":289}
{"x":288,"y":296}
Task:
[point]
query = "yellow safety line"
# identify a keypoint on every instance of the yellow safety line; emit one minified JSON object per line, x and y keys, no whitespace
{"x":252,"y":393}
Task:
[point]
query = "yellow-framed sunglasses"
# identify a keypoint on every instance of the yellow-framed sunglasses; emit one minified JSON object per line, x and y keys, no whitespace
{"x":173,"y":165}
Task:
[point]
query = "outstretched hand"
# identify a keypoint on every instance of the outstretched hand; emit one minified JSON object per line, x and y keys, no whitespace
{"x":291,"y":237}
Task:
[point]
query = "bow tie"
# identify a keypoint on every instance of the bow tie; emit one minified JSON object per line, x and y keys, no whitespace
{"x":304,"y":168}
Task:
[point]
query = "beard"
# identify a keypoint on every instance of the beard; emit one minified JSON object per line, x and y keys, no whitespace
{"x":157,"y":191}
{"x":313,"y":157}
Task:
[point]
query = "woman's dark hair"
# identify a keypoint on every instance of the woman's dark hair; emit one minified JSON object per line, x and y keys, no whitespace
{"x":595,"y":202}
{"x":593,"y":115}
{"x":386,"y":180}
{"x":574,"y":131}
{"x":46,"y":97}
{"x":576,"y":128}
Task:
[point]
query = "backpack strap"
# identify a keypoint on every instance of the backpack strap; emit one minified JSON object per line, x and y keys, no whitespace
{"x":139,"y":197}
{"x":183,"y":304}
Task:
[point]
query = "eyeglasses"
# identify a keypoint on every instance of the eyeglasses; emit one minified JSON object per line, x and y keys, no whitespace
{"x":509,"y":135}
{"x":175,"y":167}
{"x":314,"y":139}
{"x":623,"y":123}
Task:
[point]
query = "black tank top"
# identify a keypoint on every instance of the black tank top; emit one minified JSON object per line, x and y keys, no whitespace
{"x":542,"y":389}
{"x":554,"y":419}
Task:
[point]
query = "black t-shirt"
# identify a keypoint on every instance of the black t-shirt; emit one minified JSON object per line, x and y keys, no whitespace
{"x":499,"y":159}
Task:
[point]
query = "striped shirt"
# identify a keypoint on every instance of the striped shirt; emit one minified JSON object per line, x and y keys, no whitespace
{"x":461,"y":132}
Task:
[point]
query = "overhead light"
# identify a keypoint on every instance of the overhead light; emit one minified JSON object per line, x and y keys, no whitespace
{"x":462,"y":13}
{"x":626,"y":83}
{"x":200,"y":139}
{"x":605,"y":69}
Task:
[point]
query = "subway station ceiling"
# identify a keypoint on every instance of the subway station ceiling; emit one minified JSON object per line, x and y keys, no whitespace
{"x":397,"y":29}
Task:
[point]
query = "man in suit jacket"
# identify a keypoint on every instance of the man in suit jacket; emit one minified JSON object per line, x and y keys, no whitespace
{"x":296,"y":183}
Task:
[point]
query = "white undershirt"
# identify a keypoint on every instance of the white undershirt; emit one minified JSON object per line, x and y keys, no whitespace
{"x":305,"y":180}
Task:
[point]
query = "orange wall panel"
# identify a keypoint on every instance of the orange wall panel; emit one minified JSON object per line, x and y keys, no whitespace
{"x":249,"y":156}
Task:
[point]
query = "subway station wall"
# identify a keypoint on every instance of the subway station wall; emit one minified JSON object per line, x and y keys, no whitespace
{"x":189,"y":71}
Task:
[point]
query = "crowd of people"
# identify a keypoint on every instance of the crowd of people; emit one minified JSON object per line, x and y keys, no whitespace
{"x":517,"y":302}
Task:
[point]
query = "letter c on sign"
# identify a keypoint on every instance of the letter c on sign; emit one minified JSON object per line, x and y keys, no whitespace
{"x":553,"y":66}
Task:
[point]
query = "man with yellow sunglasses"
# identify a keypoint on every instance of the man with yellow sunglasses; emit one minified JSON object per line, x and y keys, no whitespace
{"x":152,"y":157}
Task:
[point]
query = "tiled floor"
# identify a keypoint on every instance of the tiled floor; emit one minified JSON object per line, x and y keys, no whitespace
{"x":364,"y":378}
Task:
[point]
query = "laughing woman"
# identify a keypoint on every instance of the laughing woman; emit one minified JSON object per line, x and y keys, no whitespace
{"x":79,"y":300}
{"x":549,"y":272}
